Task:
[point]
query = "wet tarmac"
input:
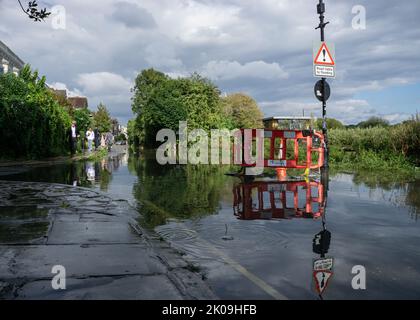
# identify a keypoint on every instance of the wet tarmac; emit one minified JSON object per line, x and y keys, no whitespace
{"x":105,"y":252}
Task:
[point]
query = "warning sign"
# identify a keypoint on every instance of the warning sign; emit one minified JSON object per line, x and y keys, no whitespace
{"x":324,"y":60}
{"x":324,"y":56}
{"x":321,"y":280}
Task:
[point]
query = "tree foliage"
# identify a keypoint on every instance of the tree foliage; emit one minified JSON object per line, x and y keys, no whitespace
{"x":83,"y":118}
{"x":161,"y":102}
{"x":331,"y":124}
{"x":102,"y":119}
{"x":243,"y":111}
{"x":32,"y":123}
{"x":373,"y":122}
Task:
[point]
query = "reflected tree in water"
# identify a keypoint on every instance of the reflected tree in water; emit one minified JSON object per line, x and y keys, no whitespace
{"x":401,"y":189}
{"x":180,"y":192}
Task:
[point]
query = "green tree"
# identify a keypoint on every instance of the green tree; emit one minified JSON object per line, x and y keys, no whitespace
{"x":161,"y":102}
{"x":102,"y":119}
{"x":243,"y":111}
{"x":146,"y":83}
{"x":83,"y":118}
{"x":331,"y":124}
{"x":200,"y":99}
{"x":133,"y":134}
{"x":373,"y":122}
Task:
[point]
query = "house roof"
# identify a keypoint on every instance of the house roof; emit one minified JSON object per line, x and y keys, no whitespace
{"x":287,"y":118}
{"x":60,"y":93}
{"x":78,"y":102}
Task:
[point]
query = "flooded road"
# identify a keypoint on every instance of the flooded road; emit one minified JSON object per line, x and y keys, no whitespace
{"x":256,"y":240}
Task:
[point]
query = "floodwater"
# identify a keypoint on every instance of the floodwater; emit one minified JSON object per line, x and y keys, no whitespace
{"x":259,"y":240}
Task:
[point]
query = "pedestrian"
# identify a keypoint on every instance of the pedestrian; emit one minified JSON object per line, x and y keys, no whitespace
{"x":109,"y":139}
{"x":97,"y":138}
{"x":73,"y":134}
{"x":103,"y":142}
{"x":90,"y":136}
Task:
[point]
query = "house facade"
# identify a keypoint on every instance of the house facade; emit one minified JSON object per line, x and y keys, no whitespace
{"x":9,"y":61}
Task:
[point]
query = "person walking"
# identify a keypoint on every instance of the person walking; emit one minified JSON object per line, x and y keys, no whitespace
{"x":90,"y":136}
{"x":97,"y":138}
{"x":73,"y":134}
{"x":109,"y":139}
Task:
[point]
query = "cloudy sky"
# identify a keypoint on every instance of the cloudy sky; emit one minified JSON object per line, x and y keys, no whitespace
{"x":263,"y":48}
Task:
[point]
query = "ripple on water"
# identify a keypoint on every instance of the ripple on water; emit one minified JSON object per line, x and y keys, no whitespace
{"x":201,"y":239}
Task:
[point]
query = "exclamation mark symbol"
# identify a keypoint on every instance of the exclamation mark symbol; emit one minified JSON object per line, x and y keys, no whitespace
{"x":324,"y":52}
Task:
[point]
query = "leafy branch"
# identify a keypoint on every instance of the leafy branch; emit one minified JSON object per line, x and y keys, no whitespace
{"x":33,"y":12}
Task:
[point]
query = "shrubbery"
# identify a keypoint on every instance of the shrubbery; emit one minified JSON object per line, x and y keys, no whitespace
{"x":393,"y":146}
{"x":32,"y":123}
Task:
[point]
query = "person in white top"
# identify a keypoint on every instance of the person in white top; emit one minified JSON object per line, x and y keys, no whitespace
{"x":90,"y":135}
{"x":74,"y":134}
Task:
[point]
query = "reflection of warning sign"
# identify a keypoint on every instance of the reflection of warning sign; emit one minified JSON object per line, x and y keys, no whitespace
{"x":323,"y":264}
{"x":321,"y":280}
{"x":324,"y":60}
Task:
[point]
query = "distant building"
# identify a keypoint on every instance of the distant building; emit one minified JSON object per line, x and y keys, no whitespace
{"x":9,"y":61}
{"x":124,"y":131}
{"x":78,"y":102}
{"x":286,"y":123}
{"x":74,"y":102}
{"x":115,"y":128}
{"x":60,"y":93}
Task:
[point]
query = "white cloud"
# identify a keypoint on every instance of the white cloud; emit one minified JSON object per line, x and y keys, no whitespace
{"x":349,"y":111}
{"x":260,"y":47}
{"x":162,"y":55}
{"x":106,"y":83}
{"x":397,"y":117}
{"x":133,"y":16}
{"x":227,"y":70}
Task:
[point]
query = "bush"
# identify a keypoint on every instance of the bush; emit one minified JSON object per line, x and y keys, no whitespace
{"x":32,"y":123}
{"x":373,"y":122}
{"x":385,"y":147}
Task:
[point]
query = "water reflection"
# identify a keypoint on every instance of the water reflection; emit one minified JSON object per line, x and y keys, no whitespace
{"x":76,"y":173}
{"x":279,"y":200}
{"x":175,"y":192}
{"x":285,"y":200}
{"x":267,"y":223}
{"x":399,"y":189}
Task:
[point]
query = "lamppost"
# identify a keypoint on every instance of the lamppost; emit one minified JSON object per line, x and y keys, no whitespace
{"x":321,"y":27}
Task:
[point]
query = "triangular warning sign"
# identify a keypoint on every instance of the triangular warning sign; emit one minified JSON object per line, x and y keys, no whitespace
{"x":324,"y":56}
{"x":321,"y":280}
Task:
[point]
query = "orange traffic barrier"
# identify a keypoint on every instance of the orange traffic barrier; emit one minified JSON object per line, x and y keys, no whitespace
{"x":278,"y":154}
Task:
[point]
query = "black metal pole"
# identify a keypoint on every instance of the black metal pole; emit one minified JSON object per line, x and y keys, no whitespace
{"x":322,"y":24}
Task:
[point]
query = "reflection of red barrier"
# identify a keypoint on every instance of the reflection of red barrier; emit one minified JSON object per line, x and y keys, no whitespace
{"x":268,"y":200}
{"x":278,"y":149}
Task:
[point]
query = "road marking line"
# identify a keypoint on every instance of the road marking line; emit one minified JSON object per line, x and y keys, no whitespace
{"x":247,"y":274}
{"x":228,"y":260}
